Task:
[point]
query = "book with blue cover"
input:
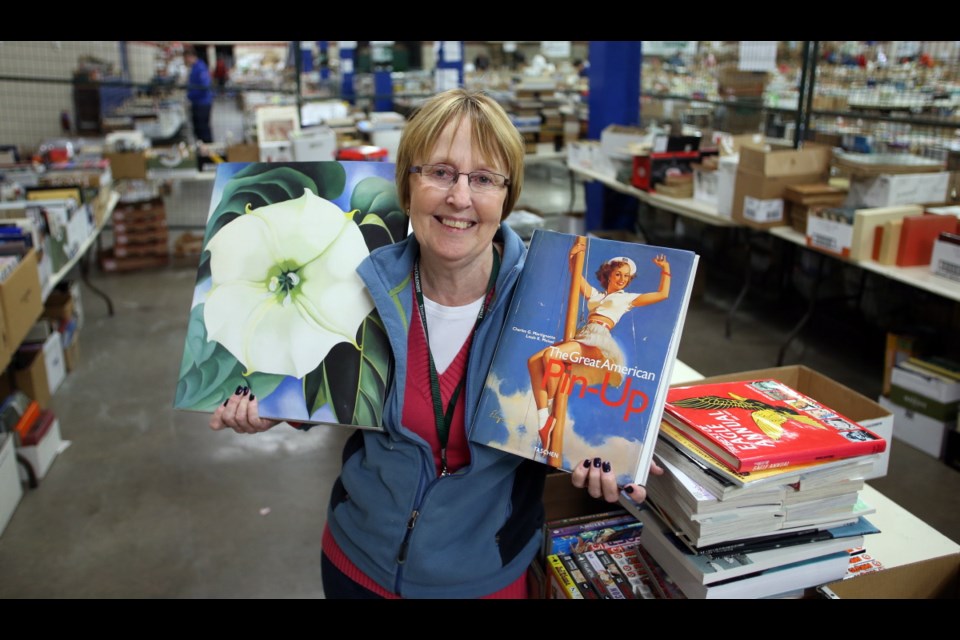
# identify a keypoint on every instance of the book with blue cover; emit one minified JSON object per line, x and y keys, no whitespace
{"x":277,"y":304}
{"x":585,"y":357}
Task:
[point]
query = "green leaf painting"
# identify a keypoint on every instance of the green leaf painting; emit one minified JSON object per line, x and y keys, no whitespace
{"x":277,"y":304}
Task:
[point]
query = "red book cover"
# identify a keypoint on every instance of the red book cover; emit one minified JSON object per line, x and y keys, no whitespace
{"x":917,"y":236}
{"x":753,"y":425}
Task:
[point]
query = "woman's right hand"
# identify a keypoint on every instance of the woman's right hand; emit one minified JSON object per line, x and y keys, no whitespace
{"x":241,"y":413}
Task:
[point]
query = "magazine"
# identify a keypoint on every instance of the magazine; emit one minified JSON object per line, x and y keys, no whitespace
{"x":584,"y":359}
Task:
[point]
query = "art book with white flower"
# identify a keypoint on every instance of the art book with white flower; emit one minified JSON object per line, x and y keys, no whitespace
{"x":278,"y":306}
{"x":584,"y":360}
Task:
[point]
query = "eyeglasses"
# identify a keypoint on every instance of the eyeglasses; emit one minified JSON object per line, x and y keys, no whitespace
{"x":443,"y":176}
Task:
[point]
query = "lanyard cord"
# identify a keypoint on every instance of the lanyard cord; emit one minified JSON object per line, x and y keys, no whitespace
{"x":444,"y":418}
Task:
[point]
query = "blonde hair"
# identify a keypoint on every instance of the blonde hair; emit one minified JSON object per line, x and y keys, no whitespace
{"x":495,"y":135}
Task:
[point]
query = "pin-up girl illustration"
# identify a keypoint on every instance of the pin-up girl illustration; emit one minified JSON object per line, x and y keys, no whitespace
{"x":592,"y":340}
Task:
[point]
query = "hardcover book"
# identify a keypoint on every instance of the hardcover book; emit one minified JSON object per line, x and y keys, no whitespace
{"x":584,"y":360}
{"x":763,"y":424}
{"x":278,"y":306}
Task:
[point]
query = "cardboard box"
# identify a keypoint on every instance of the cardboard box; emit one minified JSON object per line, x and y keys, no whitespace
{"x":30,"y":375}
{"x":11,"y":490}
{"x":127,"y":164}
{"x":20,"y":298}
{"x":243,"y":153}
{"x":934,"y":578}
{"x":764,"y":172}
{"x":832,"y":394}
{"x":890,"y":190}
{"x":917,"y":430}
{"x":41,"y":455}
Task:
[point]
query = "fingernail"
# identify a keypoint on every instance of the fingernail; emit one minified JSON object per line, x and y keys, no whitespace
{"x":252,"y":397}
{"x":596,"y":462}
{"x":586,"y":463}
{"x":226,"y":401}
{"x":246,"y":390}
{"x":628,"y":488}
{"x":239,"y":390}
{"x":606,"y":467}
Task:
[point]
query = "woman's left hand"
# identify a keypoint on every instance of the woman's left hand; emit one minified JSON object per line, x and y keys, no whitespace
{"x":600,"y":481}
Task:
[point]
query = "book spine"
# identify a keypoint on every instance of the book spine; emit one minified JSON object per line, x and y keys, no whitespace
{"x":627,"y":559}
{"x":614,"y":570}
{"x":562,"y":586}
{"x":605,"y":579}
{"x":578,"y":542}
{"x":589,"y":525}
{"x":591,"y":574}
{"x":577,"y":574}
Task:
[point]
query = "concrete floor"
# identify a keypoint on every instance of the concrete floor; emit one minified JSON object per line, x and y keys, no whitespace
{"x":147,"y":502}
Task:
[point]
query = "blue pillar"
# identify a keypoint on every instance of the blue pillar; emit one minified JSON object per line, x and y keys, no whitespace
{"x":449,"y":60}
{"x":614,"y":99}
{"x":322,"y":46}
{"x":348,"y":57}
{"x":381,"y":57}
{"x":306,"y":58}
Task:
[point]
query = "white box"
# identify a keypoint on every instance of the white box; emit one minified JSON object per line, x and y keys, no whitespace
{"x":314,"y":144}
{"x":276,"y":152}
{"x":883,"y":427}
{"x":587,"y":154}
{"x":726,"y":180}
{"x":55,"y":364}
{"x":945,"y":260}
{"x":618,"y":141}
{"x":41,"y":455}
{"x":388,"y":139}
{"x":11,"y":490}
{"x":930,"y":386}
{"x":829,"y":235}
{"x":705,"y":186}
{"x":890,"y":190}
{"x":917,"y":430}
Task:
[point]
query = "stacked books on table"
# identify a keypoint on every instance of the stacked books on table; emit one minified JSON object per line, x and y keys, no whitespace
{"x":760,"y":494}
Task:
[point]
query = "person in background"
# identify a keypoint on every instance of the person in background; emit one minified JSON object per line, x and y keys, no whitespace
{"x":418,"y":510}
{"x":199,"y":94}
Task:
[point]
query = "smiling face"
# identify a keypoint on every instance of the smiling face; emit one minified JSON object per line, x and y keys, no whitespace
{"x":456,"y":226}
{"x":619,"y":278}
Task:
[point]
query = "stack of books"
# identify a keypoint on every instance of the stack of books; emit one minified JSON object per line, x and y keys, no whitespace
{"x":760,"y":494}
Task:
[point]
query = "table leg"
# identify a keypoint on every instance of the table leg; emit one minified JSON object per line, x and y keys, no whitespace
{"x":811,"y":307}
{"x":85,"y":276}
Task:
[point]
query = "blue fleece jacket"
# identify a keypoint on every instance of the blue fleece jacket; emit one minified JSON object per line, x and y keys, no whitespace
{"x":461,"y":536}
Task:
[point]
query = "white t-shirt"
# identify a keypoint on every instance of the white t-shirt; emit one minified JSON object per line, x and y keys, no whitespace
{"x":612,"y":305}
{"x":449,"y":328}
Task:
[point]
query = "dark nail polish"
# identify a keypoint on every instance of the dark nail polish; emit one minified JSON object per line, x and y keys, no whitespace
{"x":252,"y":397}
{"x":596,"y":462}
{"x":606,"y":467}
{"x":246,"y":390}
{"x":239,"y":390}
{"x":628,"y":488}
{"x":586,"y":464}
{"x":226,"y":401}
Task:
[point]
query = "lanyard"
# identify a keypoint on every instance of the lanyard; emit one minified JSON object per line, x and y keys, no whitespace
{"x":443,"y":418}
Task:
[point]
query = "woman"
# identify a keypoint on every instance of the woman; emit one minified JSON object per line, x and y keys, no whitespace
{"x":418,"y":511}
{"x":593,"y":340}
